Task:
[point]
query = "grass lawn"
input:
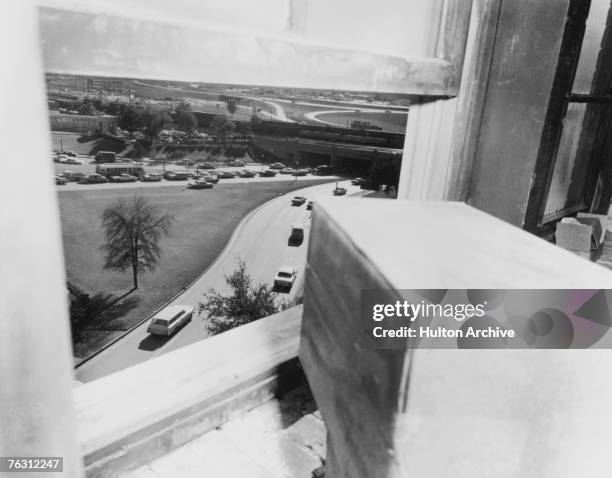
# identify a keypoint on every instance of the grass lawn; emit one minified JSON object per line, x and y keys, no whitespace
{"x":203,"y":225}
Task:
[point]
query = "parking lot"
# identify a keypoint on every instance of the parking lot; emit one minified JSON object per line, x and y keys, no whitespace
{"x":89,"y":167}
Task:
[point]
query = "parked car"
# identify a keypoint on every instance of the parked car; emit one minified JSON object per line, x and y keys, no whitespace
{"x":277,"y":166}
{"x":170,"y":319}
{"x":301,"y":172}
{"x":207,"y":165}
{"x":245,"y":173}
{"x":123,"y":178}
{"x":177,"y":175}
{"x":236,"y":163}
{"x":68,"y":153}
{"x":268,"y":173}
{"x":93,"y":179}
{"x":60,"y":180}
{"x":298,"y":200}
{"x":285,"y":277}
{"x":339,"y":191}
{"x":286,"y":171}
{"x":200,"y":184}
{"x":226,"y":174}
{"x":70,"y":160}
{"x":151,"y":177}
{"x":357,"y":181}
{"x":211,"y":178}
{"x":70,"y":176}
{"x":309,"y":206}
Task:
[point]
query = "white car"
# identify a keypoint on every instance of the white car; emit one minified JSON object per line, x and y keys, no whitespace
{"x":285,"y":277}
{"x":169,"y":320}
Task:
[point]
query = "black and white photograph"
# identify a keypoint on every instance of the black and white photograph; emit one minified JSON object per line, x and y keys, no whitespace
{"x":306,"y":238}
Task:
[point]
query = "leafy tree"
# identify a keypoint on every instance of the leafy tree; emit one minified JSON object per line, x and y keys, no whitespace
{"x":87,"y":109}
{"x":153,"y":121}
{"x":246,"y":303}
{"x":128,"y":119}
{"x":133,"y":230}
{"x":223,"y":127}
{"x":185,"y":120}
{"x":232,"y":105}
{"x":244,"y":129}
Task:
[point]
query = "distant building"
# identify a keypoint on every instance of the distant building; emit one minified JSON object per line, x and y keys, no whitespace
{"x":82,"y":123}
{"x":107,"y":85}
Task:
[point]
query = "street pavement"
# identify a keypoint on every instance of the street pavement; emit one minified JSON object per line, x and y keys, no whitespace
{"x":261,"y":240}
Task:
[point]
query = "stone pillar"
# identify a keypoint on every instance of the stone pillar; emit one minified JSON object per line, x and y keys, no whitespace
{"x":36,"y":410}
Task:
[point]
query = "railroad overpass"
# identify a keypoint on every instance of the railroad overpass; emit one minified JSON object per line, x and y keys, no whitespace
{"x":312,"y":152}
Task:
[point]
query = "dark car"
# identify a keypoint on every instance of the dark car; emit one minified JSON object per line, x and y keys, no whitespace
{"x":298,"y":200}
{"x":246,"y":174}
{"x":309,"y":205}
{"x":226,"y":174}
{"x":357,"y":181}
{"x":237,"y":164}
{"x":268,"y":173}
{"x":207,"y":165}
{"x":339,"y":191}
{"x":60,"y":180}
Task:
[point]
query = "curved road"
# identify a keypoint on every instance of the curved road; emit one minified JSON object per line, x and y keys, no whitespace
{"x":261,"y":240}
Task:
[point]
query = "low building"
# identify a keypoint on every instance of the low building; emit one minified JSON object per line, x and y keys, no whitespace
{"x":82,"y":123}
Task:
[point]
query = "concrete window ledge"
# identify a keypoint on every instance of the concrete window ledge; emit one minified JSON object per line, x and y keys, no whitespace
{"x":446,"y":413}
{"x":131,"y":417}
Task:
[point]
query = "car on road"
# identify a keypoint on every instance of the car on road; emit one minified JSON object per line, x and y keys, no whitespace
{"x":68,"y":153}
{"x":200,"y":184}
{"x":309,"y":206}
{"x":285,"y":277}
{"x":268,"y":173}
{"x":357,"y":181}
{"x":277,"y":166}
{"x":93,"y":179}
{"x":60,"y":180}
{"x":298,"y":200}
{"x":123,"y":178}
{"x":245,"y":173}
{"x":297,"y":234}
{"x":226,"y":174}
{"x":323,"y":170}
{"x":339,"y":191}
{"x":170,"y":319}
{"x":151,"y":177}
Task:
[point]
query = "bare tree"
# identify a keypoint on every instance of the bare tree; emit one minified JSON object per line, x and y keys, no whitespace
{"x":133,"y":231}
